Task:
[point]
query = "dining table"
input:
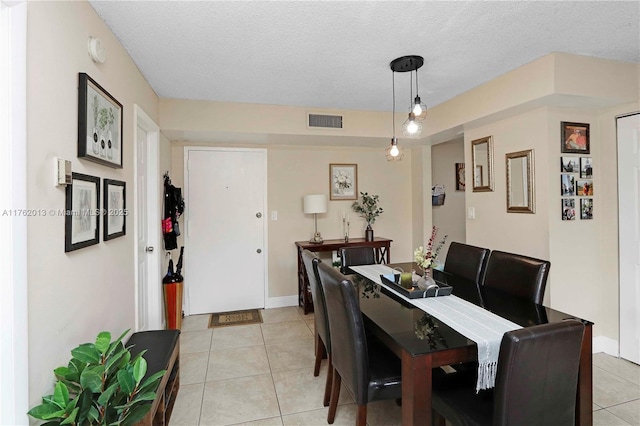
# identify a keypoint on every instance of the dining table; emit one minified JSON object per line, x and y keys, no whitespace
{"x":424,"y":343}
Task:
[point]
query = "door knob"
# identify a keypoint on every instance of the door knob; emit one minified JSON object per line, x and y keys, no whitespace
{"x":258,"y":251}
{"x":148,"y":249}
{"x":258,"y":215}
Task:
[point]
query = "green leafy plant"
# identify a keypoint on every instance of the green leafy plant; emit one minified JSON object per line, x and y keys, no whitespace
{"x":101,"y":385}
{"x":367,"y":207}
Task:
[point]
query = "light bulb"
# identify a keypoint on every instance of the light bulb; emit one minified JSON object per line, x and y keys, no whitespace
{"x":412,"y":127}
{"x":394,"y":151}
{"x":417,"y":109}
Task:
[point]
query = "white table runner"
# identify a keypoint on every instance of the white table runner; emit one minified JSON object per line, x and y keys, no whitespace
{"x":472,"y":321}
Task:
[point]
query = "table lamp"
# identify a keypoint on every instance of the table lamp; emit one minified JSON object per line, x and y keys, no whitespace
{"x":315,"y":204}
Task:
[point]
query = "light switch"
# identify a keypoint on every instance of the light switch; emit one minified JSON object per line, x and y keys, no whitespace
{"x":471,"y":213}
{"x":274,"y":215}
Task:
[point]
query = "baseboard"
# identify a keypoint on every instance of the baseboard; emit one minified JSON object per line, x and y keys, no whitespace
{"x":280,"y":302}
{"x":606,"y":345}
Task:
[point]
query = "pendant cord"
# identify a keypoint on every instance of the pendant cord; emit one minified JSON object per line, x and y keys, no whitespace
{"x":417,"y":89}
{"x":393,"y":117}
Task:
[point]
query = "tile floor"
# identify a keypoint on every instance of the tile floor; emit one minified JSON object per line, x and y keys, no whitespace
{"x":262,"y":375}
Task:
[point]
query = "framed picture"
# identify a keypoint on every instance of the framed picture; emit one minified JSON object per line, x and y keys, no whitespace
{"x":586,"y":169}
{"x":115,"y":209}
{"x":460,"y":177}
{"x":585,"y":188}
{"x":575,"y":137}
{"x":586,"y":208}
{"x":99,"y":124}
{"x":343,"y":181}
{"x":569,"y":164}
{"x":567,"y":185}
{"x":82,"y":215}
{"x":568,"y":209}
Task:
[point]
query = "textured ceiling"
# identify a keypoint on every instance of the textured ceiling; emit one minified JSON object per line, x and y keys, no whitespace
{"x":335,"y":54}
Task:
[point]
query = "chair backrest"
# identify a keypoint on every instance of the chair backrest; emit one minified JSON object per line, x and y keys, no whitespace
{"x":468,"y":262}
{"x":537,"y":375}
{"x":353,"y":256}
{"x":311,"y":261}
{"x":519,"y":275}
{"x":348,"y":340}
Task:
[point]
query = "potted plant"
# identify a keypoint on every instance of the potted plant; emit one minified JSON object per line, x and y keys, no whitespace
{"x":367,"y":207}
{"x":101,"y":385}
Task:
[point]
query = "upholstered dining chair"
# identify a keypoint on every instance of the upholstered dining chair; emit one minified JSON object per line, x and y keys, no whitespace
{"x":367,"y":368}
{"x":536,"y":381}
{"x":353,"y":256}
{"x":519,"y":275}
{"x":321,"y":321}
{"x":466,"y":261}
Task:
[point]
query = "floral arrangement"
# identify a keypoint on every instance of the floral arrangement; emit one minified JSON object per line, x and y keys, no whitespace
{"x":426,"y":256}
{"x":425,"y":327}
{"x":367,"y":207}
{"x":342,"y":181}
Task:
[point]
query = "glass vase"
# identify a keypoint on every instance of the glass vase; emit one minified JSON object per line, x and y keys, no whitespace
{"x":426,"y":279}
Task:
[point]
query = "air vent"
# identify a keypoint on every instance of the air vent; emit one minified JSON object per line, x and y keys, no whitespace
{"x":325,"y":121}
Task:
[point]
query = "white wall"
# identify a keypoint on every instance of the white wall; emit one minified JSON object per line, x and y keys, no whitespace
{"x":450,"y":217}
{"x":73,"y":296}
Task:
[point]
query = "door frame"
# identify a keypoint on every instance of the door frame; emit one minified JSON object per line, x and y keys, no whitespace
{"x":14,"y":307}
{"x":155,"y":315}
{"x":186,"y":151}
{"x":623,"y":282}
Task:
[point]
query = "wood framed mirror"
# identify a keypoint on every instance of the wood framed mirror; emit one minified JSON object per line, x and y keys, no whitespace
{"x":520,"y":182}
{"x":482,"y":164}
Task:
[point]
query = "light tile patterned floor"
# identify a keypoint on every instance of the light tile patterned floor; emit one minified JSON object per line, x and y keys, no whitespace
{"x":262,"y":375}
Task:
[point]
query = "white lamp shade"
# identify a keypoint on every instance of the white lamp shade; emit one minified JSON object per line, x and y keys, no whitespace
{"x":315,"y":203}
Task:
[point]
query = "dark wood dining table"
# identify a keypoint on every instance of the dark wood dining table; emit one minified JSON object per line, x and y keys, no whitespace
{"x":423,"y":342}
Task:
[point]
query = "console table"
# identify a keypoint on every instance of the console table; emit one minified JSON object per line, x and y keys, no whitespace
{"x":383,"y":255}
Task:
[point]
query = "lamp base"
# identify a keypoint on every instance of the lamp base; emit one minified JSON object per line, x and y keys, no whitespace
{"x":316,"y":239}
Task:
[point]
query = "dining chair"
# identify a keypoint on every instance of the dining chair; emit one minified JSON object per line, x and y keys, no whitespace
{"x":466,"y":261}
{"x":519,"y":275}
{"x":536,"y":381}
{"x":369,"y":370}
{"x":321,"y":321}
{"x":353,"y":256}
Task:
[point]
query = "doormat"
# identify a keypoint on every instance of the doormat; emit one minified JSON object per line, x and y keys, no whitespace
{"x":224,"y":319}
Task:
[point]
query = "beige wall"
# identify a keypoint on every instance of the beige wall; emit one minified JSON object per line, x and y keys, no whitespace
{"x":450,"y":217}
{"x":297,"y":171}
{"x":73,"y":296}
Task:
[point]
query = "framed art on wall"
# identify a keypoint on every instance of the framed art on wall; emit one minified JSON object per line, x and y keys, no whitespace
{"x":567,"y":185}
{"x":99,"y":124}
{"x":586,"y":208}
{"x":82,"y":215}
{"x":575,"y":137}
{"x":586,"y":168}
{"x":584,"y":188}
{"x":115,"y":209}
{"x":343,"y":181}
{"x":569,"y":164}
{"x":460,"y":177}
{"x":568,"y":209}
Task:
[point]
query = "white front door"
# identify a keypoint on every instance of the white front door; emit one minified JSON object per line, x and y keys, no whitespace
{"x":148,"y":284}
{"x":225,"y":243}
{"x":629,"y":235}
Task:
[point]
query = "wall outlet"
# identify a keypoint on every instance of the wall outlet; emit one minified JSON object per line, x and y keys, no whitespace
{"x":274,"y":215}
{"x":471,"y":213}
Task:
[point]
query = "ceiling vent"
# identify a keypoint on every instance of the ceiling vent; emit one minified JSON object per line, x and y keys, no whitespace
{"x":324,"y":121}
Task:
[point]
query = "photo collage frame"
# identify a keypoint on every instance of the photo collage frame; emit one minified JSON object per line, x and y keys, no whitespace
{"x":576,"y":172}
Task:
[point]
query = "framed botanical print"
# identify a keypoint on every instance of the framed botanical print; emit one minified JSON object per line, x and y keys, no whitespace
{"x":82,"y":215}
{"x":343,"y":181}
{"x":114,"y":209}
{"x":99,"y":124}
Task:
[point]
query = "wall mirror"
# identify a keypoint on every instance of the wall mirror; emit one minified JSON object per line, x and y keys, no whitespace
{"x":520,"y":183}
{"x":482,"y":161}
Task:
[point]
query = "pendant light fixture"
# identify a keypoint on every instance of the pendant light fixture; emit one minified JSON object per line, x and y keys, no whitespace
{"x":419,"y":109}
{"x":412,"y":127}
{"x":393,"y":152}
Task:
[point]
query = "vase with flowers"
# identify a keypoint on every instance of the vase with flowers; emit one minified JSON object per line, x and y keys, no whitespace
{"x":426,"y":258}
{"x":367,"y":207}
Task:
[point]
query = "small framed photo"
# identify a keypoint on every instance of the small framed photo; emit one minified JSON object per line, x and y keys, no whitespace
{"x":585,"y":188}
{"x":114,"y":209}
{"x":343,"y":181}
{"x":586,"y":208}
{"x":567,"y":185}
{"x":569,"y":164}
{"x":586,"y":168}
{"x":460,"y":178}
{"x":82,"y":215}
{"x":575,"y":138}
{"x":99,"y":124}
{"x":568,"y":209}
